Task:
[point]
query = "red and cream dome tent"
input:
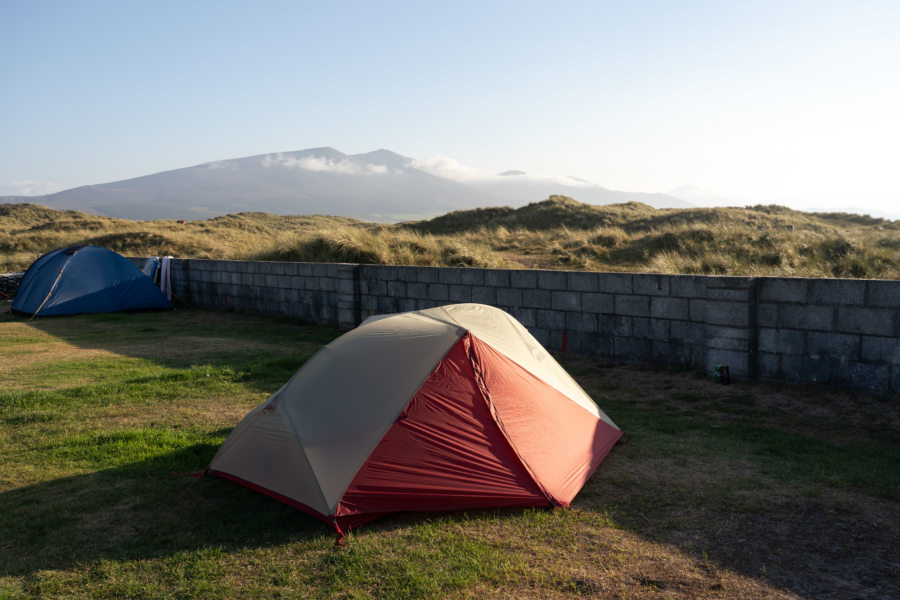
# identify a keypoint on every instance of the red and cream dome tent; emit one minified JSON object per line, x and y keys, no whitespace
{"x":454,"y":407}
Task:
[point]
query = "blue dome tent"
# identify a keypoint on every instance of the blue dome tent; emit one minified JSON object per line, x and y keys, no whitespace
{"x":85,"y":279}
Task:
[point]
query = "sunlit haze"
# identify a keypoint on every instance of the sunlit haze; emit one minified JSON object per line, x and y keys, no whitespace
{"x":783,"y":102}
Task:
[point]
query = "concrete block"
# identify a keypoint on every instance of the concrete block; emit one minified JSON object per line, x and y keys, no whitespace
{"x":439,"y":292}
{"x":597,"y":344}
{"x":615,"y":283}
{"x":550,"y":319}
{"x":523,"y":279}
{"x":727,"y":343}
{"x":880,"y":350}
{"x":635,"y":306}
{"x":386,"y":272}
{"x":428,"y":274}
{"x":783,"y":289}
{"x":344,"y":286}
{"x":277,"y":268}
{"x":582,"y":322}
{"x":509,"y":297}
{"x":895,"y":380}
{"x":632,"y":348}
{"x":408,"y":274}
{"x":651,"y":285}
{"x":597,"y":303}
{"x":327,"y":284}
{"x":614,"y":325}
{"x":807,"y":316}
{"x":376,"y":287}
{"x":832,"y":345}
{"x":719,"y":312}
{"x":496,"y":277}
{"x":729,"y":294}
{"x":572,"y":343}
{"x":565,"y":300}
{"x":406,"y":304}
{"x":874,"y":321}
{"x":259,"y":280}
{"x":582,"y":282}
{"x":838,"y":291}
{"x":652,"y":329}
{"x":728,"y":282}
{"x":396,"y":289}
{"x":484,"y":295}
{"x":417,"y":290}
{"x":697,"y":310}
{"x":346,"y":317}
{"x":552,"y":280}
{"x":769,"y":365}
{"x":460,"y":293}
{"x":687,"y":332}
{"x":790,"y":341}
{"x":449,"y":276}
{"x":320,"y":270}
{"x":669,"y":308}
{"x":387,"y":305}
{"x":687,"y":286}
{"x":698,"y":356}
{"x":883,"y":294}
{"x":472,"y":277}
{"x":767,"y":314}
{"x":720,"y":331}
{"x":533,"y":298}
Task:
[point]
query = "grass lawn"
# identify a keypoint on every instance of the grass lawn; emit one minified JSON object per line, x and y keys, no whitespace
{"x":741,"y":491}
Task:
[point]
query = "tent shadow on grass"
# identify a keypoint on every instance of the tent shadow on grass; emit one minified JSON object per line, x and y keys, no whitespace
{"x":127,"y":513}
{"x":146,"y":510}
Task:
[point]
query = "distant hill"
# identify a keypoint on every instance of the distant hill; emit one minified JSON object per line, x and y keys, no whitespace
{"x":556,"y":233}
{"x":379,"y":186}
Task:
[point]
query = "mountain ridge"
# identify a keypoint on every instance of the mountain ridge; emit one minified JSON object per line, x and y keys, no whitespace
{"x":380,"y":185}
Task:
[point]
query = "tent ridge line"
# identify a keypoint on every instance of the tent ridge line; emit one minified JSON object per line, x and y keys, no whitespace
{"x":399,"y":414}
{"x":300,"y":443}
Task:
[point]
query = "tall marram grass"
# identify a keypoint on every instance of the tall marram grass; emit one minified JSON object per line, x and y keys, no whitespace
{"x":383,"y":245}
{"x":557,"y":233}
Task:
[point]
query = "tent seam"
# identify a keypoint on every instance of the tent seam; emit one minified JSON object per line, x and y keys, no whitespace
{"x":402,"y":409}
{"x":486,"y":395}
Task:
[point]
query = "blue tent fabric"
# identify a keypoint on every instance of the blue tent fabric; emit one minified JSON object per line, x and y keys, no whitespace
{"x":86,"y":279}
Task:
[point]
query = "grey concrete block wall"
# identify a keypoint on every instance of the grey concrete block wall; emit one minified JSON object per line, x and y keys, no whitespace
{"x":829,"y":331}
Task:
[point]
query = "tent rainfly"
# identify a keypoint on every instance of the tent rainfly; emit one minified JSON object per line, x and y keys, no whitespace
{"x":85,"y":279}
{"x":455,"y":407}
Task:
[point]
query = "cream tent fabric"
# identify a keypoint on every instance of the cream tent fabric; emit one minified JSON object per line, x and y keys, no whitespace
{"x":306,"y":443}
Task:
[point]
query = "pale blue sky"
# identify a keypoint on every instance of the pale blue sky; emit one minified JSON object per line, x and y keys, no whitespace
{"x":790,"y":102}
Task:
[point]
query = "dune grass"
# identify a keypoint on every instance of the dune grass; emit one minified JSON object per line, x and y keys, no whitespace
{"x":741,"y":491}
{"x":557,"y":233}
